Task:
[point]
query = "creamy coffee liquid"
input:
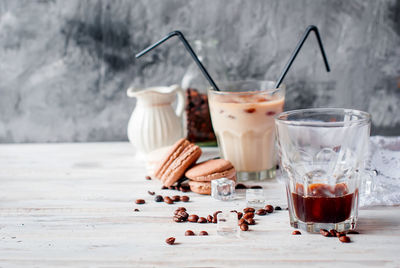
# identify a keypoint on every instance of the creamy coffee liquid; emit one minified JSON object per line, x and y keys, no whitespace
{"x":245,"y":129}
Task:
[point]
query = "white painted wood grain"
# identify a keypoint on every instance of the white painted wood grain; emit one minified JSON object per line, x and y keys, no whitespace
{"x":72,"y":205}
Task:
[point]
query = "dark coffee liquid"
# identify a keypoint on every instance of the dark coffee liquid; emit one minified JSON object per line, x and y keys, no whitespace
{"x":318,"y":206}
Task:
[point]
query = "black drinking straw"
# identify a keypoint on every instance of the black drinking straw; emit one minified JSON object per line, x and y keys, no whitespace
{"x":188,"y":48}
{"x":309,"y":29}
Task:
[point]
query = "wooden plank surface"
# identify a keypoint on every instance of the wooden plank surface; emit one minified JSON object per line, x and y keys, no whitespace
{"x":72,"y":205}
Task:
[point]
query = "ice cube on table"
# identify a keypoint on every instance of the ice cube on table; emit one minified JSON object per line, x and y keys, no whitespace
{"x":255,"y":198}
{"x":223,"y":189}
{"x":227,"y":224}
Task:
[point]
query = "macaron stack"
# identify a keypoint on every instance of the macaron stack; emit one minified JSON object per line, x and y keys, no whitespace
{"x":180,"y":161}
{"x":202,"y":174}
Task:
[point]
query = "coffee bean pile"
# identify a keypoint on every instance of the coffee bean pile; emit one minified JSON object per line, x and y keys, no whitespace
{"x":181,"y":215}
{"x":341,"y":235}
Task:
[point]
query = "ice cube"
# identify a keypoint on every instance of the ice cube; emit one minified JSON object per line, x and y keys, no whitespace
{"x":227,"y":224}
{"x":223,"y":189}
{"x":255,"y":198}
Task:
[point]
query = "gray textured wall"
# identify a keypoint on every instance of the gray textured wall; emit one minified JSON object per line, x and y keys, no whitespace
{"x":65,"y":65}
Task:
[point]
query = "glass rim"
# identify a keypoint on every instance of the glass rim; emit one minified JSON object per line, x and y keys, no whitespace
{"x":365,"y":117}
{"x":271,"y":90}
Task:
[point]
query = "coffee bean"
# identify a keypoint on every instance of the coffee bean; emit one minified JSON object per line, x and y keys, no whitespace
{"x":202,"y":220}
{"x":184,"y":189}
{"x":170,"y":240}
{"x":168,"y":200}
{"x":148,"y":178}
{"x":261,"y":212}
{"x":176,"y":218}
{"x":248,"y":215}
{"x":158,"y":198}
{"x":176,"y":198}
{"x":244,"y":227}
{"x":193,"y":218}
{"x":183,"y":215}
{"x":164,"y":187}
{"x":185,"y":198}
{"x":256,"y":187}
{"x":189,"y":233}
{"x":136,"y":210}
{"x":240,"y":186}
{"x":240,"y":215}
{"x":325,"y":232}
{"x":344,"y":239}
{"x":214,"y":220}
{"x":248,"y":210}
{"x":352,"y":232}
{"x":269,"y":208}
{"x":296,"y":232}
{"x":209,"y":218}
{"x":278,"y":208}
{"x":241,"y":221}
{"x":333,"y":232}
{"x":172,"y":187}
{"x":251,"y":221}
{"x":151,"y":193}
{"x":203,"y":233}
{"x":340,"y":234}
{"x":216,"y":213}
{"x":181,"y":208}
{"x":140,"y":201}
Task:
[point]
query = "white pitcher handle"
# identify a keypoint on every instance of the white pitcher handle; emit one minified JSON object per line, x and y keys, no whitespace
{"x":181,"y":100}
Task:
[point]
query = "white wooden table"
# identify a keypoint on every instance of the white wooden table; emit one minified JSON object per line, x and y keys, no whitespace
{"x":72,"y":205}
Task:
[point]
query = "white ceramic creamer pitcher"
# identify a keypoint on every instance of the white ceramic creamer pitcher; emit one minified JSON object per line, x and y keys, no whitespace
{"x":154,"y":123}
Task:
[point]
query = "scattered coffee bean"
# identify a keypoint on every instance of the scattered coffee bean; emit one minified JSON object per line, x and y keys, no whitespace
{"x":340,"y":234}
{"x":181,"y":208}
{"x":325,"y":232}
{"x":183,"y":215}
{"x":177,"y":219}
{"x":261,"y":212}
{"x":241,"y":221}
{"x":184,"y":189}
{"x":344,"y":239}
{"x":256,"y":187}
{"x":240,"y":186}
{"x":203,"y":233}
{"x":151,"y":193}
{"x":170,"y":240}
{"x":216,"y":213}
{"x":248,"y":215}
{"x":189,"y":233}
{"x":278,"y":208}
{"x":193,"y":218}
{"x":251,"y":221}
{"x":269,"y":208}
{"x":240,"y":215}
{"x":249,"y":210}
{"x":158,"y":198}
{"x":148,"y":178}
{"x":296,"y":232}
{"x":244,"y":227}
{"x":168,"y":200}
{"x":202,"y":220}
{"x":185,"y":198}
{"x":209,"y":218}
{"x":136,"y":210}
{"x":250,"y":110}
{"x":352,"y":232}
{"x":214,"y":220}
{"x":140,"y":201}
{"x":176,"y":198}
{"x":164,"y":187}
{"x":333,"y":232}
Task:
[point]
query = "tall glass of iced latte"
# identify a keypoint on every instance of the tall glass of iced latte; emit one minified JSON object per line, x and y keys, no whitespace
{"x":242,"y":115}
